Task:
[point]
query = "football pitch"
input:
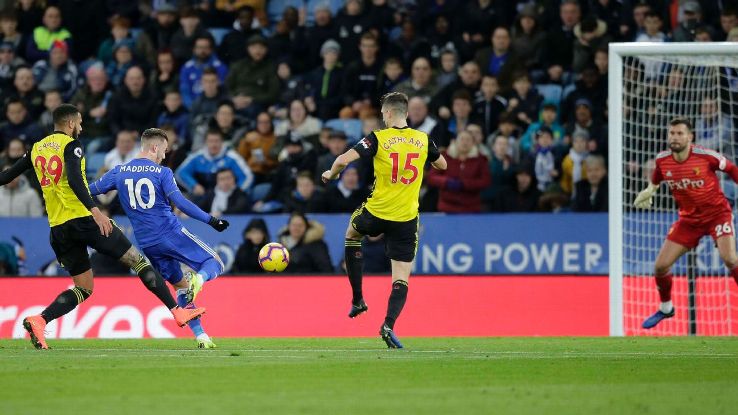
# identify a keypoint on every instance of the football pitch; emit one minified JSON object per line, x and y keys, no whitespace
{"x":359,"y":376}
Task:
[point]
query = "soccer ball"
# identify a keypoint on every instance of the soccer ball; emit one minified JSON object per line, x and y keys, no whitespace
{"x":274,"y":257}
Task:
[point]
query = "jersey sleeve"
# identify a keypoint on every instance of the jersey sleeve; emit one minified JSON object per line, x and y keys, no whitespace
{"x":367,"y":146}
{"x":16,"y":170}
{"x":657,"y":177}
{"x":73,"y":163}
{"x":104,"y":184}
{"x":172,"y":192}
{"x":168,"y":183}
{"x":433,"y":153}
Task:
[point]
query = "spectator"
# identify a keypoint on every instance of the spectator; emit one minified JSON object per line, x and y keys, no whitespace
{"x":162,"y":27}
{"x":409,"y":45}
{"x":702,"y":34}
{"x":602,"y":61}
{"x":713,"y":129}
{"x":190,"y":75}
{"x":508,"y":128}
{"x":461,"y":108}
{"x":197,"y":173}
{"x":252,"y":81}
{"x":298,"y":122}
{"x":351,"y":22}
{"x":442,"y":39}
{"x":255,"y":147}
{"x":448,"y":68}
{"x":461,"y":183}
{"x":502,"y":172}
{"x":347,"y":195}
{"x":543,"y":159}
{"x":499,"y":60}
{"x":524,"y":101}
{"x":125,"y":150}
{"x":296,"y":158}
{"x":19,"y":125}
{"x":392,"y":75}
{"x":255,"y":236}
{"x":8,"y":64}
{"x":58,"y":72}
{"x":212,"y":95}
{"x":291,"y":87}
{"x":184,"y":40}
{"x":231,"y":47}
{"x":176,"y":152}
{"x":165,"y":77}
{"x":380,"y":15}
{"x":231,"y":126}
{"x":572,"y":167}
{"x":477,"y":20}
{"x":361,"y":77}
{"x":323,"y":29}
{"x":421,"y":82}
{"x":469,"y":82}
{"x":476,"y":131}
{"x":591,"y":34}
{"x":52,"y":99}
{"x":489,"y":105}
{"x":548,"y":118}
{"x":29,"y":14}
{"x":690,"y":21}
{"x":122,"y":60}
{"x":133,"y":107}
{"x":591,"y":193}
{"x":175,"y":114}
{"x":14,"y":152}
{"x":44,"y":36}
{"x":559,"y":49}
{"x":728,"y":21}
{"x":18,"y":199}
{"x":590,"y":87}
{"x":120,"y":29}
{"x":325,"y":83}
{"x":336,"y":146}
{"x":16,"y":40}
{"x":304,"y":240}
{"x":288,"y":38}
{"x":225,"y":198}
{"x":652,"y":24}
{"x":523,"y":196}
{"x":528,"y":38}
{"x":24,"y":88}
{"x":92,"y":100}
{"x":305,"y":197}
{"x":584,"y":123}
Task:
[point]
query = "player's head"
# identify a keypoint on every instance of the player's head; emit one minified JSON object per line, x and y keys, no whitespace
{"x":68,"y":120}
{"x":680,"y":134}
{"x":394,"y":107}
{"x":154,"y":143}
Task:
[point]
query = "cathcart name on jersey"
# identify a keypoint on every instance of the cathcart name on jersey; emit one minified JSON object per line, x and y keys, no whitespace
{"x":406,"y":140}
{"x":139,"y":169}
{"x":685,"y":184}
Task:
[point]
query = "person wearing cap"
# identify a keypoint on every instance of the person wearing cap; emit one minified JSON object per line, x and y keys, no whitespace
{"x":583,"y":121}
{"x":690,"y":19}
{"x":58,"y":72}
{"x":123,"y":58}
{"x":8,"y":64}
{"x":44,"y":36}
{"x":162,"y":27}
{"x":591,"y":34}
{"x":252,"y":81}
{"x":120,"y":29}
{"x":325,"y":82}
{"x":255,"y":236}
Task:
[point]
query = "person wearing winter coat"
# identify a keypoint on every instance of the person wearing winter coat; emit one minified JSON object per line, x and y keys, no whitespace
{"x":255,"y":236}
{"x":308,"y":250}
{"x":18,"y":199}
{"x":572,"y":167}
{"x":462,"y":182}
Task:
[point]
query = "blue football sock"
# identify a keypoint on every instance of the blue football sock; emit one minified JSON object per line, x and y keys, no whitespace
{"x":210,"y":269}
{"x":195,"y":325}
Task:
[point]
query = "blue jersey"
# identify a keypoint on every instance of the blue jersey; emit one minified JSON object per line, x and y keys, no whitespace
{"x":144,"y":190}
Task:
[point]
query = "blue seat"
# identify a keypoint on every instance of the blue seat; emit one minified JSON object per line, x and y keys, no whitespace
{"x":218,"y":34}
{"x":350,"y":126}
{"x":550,"y":92}
{"x":93,"y":163}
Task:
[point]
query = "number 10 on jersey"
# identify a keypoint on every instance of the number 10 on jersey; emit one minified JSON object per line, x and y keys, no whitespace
{"x":134,"y":193}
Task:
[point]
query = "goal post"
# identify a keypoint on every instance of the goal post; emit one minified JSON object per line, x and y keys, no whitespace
{"x":648,"y":84}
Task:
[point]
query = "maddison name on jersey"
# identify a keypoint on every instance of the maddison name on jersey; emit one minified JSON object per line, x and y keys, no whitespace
{"x":140,"y":169}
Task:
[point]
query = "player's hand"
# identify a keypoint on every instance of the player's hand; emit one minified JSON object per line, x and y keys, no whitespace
{"x":218,"y":224}
{"x":644,"y":200}
{"x":327,"y":176}
{"x":103,"y":222}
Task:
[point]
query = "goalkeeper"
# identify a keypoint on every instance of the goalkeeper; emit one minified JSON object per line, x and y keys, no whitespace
{"x":689,"y":171}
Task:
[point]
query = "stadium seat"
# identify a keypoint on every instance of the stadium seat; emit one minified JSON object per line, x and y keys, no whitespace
{"x":550,"y":93}
{"x":259,"y":192}
{"x":218,"y":34}
{"x":350,"y":126}
{"x":94,"y":163}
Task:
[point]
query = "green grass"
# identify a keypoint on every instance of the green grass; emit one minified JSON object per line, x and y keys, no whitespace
{"x":357,"y":376}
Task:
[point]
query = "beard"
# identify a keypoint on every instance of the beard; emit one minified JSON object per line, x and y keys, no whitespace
{"x":676,"y":147}
{"x":75,"y":133}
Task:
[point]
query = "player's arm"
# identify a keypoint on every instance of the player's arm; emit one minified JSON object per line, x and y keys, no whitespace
{"x":16,"y":169}
{"x":189,"y":208}
{"x":644,"y":200}
{"x":726,"y":166}
{"x":104,"y":184}
{"x":435,"y":157}
{"x":366,"y":148}
{"x":73,"y":163}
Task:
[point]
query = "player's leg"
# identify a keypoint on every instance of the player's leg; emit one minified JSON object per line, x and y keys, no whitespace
{"x":724,"y":236}
{"x":203,"y":340}
{"x":196,"y":254}
{"x":354,"y":260}
{"x":670,"y":252}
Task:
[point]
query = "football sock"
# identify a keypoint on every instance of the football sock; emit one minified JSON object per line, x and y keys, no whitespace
{"x":154,"y":282}
{"x":194,"y":324}
{"x":666,"y":307}
{"x":663,"y":282}
{"x":734,"y":274}
{"x":65,"y":302}
{"x":210,"y":269}
{"x":354,"y":267}
{"x":396,"y":303}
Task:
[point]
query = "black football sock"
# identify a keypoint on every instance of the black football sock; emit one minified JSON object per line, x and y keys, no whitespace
{"x":154,"y":282}
{"x":354,"y":267}
{"x":65,"y":302}
{"x":396,"y":303}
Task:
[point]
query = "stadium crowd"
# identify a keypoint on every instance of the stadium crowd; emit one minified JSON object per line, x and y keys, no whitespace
{"x":259,"y":97}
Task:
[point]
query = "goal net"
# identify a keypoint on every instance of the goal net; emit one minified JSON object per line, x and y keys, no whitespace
{"x":649,"y":84}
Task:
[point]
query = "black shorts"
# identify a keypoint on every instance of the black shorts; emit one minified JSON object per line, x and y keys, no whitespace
{"x":71,"y":239}
{"x":400,"y":238}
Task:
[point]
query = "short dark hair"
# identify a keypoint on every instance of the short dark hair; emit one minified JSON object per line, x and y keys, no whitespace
{"x":63,"y":113}
{"x":15,"y":101}
{"x":207,"y":37}
{"x":653,"y":14}
{"x":209,"y":70}
{"x":214,"y":131}
{"x":681,"y":120}
{"x":225,"y":169}
{"x":153,"y":134}
{"x":396,"y":101}
{"x":463,"y":95}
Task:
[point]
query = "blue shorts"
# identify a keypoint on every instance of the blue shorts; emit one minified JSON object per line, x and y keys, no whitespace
{"x":179,"y":247}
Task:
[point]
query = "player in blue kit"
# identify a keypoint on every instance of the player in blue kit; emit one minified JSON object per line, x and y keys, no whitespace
{"x":145,"y":189}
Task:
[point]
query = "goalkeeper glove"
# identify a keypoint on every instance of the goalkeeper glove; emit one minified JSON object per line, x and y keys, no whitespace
{"x":644,"y":200}
{"x":218,"y":224}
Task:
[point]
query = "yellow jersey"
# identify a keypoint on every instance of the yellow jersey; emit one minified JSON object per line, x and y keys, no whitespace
{"x":399,"y":156}
{"x":51,"y":158}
